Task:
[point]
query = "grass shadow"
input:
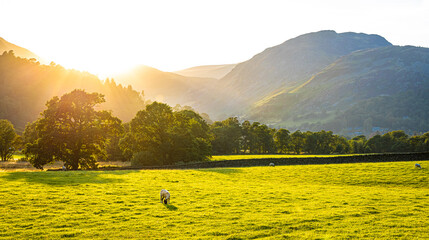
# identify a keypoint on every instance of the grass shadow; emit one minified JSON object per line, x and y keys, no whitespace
{"x":60,"y":178}
{"x":221,"y":170}
{"x":171,"y":207}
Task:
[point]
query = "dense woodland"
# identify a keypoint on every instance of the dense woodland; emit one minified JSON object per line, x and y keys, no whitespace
{"x":72,"y":129}
{"x":26,"y":85}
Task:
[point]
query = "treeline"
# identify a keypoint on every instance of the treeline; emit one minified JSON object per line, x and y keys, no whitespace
{"x":25,"y":85}
{"x":232,"y":137}
{"x":72,"y":129}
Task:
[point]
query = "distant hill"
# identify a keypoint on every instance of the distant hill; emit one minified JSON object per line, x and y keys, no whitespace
{"x":383,"y":88}
{"x":207,"y":71}
{"x":350,"y":83}
{"x":26,"y":86}
{"x":291,"y":63}
{"x":162,"y":86}
{"x":202,"y":94}
{"x":19,"y":51}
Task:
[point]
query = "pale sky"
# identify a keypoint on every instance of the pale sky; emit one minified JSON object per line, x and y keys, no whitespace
{"x":104,"y":37}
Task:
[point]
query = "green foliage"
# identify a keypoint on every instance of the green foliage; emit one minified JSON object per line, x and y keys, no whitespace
{"x":38,"y":83}
{"x":396,"y":141}
{"x":333,"y":201}
{"x":282,"y":139}
{"x":257,"y":138}
{"x":420,"y":143}
{"x":7,"y":138}
{"x":226,"y":136}
{"x":298,"y":141}
{"x":144,"y":158}
{"x":71,"y":130}
{"x":357,"y":94}
{"x":358,"y":144}
{"x":169,"y":136}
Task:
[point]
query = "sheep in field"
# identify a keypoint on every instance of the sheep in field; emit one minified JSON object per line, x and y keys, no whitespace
{"x":165,"y":196}
{"x":418,"y":165}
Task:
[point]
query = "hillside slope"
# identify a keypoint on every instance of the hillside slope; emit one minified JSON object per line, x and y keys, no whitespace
{"x":383,"y":88}
{"x":207,"y":71}
{"x":19,"y":51}
{"x":291,"y":63}
{"x":27,"y":85}
{"x":171,"y":88}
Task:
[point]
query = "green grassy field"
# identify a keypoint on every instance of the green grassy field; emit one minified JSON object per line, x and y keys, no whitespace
{"x":18,"y":156}
{"x":257,"y":156}
{"x":335,"y":201}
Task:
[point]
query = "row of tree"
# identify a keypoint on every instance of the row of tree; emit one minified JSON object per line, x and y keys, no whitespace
{"x":72,"y":130}
{"x":231,"y":137}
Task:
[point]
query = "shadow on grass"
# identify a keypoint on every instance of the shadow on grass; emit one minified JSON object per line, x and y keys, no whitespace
{"x":170,"y":207}
{"x":221,"y":170}
{"x":60,"y":178}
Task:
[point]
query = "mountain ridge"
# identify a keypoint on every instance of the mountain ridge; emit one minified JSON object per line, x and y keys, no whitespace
{"x":18,"y":51}
{"x":353,"y":81}
{"x":207,"y":71}
{"x":294,"y":61}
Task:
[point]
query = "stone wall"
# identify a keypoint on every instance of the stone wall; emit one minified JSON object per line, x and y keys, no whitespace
{"x":393,"y":157}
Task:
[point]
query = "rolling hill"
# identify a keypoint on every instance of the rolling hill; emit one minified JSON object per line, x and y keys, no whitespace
{"x":19,"y":51}
{"x":207,"y":71}
{"x":26,"y":86}
{"x":367,"y":90}
{"x":205,"y":95}
{"x":350,"y":83}
{"x":291,"y":63}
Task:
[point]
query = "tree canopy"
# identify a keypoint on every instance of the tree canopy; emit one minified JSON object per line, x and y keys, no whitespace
{"x":70,"y":130}
{"x":7,"y":138}
{"x":167,"y":137}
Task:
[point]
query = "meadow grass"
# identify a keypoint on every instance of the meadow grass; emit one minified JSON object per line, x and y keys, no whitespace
{"x":259,"y":156}
{"x":17,"y":156}
{"x":335,"y":201}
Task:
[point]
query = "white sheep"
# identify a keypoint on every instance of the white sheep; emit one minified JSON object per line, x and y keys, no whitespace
{"x":271,"y":164}
{"x":418,"y":165}
{"x":165,"y":196}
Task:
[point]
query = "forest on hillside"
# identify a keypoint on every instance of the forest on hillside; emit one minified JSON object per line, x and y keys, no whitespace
{"x":26,"y":86}
{"x":72,"y":129}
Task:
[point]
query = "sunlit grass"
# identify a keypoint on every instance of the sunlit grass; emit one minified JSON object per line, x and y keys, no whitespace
{"x":335,"y":201}
{"x":18,"y":156}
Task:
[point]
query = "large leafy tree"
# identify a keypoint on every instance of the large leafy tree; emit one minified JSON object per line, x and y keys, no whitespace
{"x":282,"y":140}
{"x":7,"y":137}
{"x":70,"y":130}
{"x":297,"y":141}
{"x":166,"y":136}
{"x":227,"y":135}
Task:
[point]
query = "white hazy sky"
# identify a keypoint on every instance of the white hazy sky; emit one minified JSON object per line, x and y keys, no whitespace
{"x":105,"y":37}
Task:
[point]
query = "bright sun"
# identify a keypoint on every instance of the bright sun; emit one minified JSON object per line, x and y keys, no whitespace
{"x":103,"y":68}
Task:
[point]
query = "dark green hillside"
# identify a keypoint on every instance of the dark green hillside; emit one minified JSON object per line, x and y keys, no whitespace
{"x":293,"y":62}
{"x":26,"y":86}
{"x":384,"y":88}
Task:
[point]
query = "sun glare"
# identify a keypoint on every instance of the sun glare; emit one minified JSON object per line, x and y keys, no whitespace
{"x":103,"y":68}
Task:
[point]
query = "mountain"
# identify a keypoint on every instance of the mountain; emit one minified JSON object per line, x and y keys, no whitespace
{"x":207,"y":71}
{"x":202,"y":94}
{"x":382,"y":88}
{"x":19,"y":51}
{"x":162,"y":86}
{"x":26,"y":86}
{"x":286,"y":66}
